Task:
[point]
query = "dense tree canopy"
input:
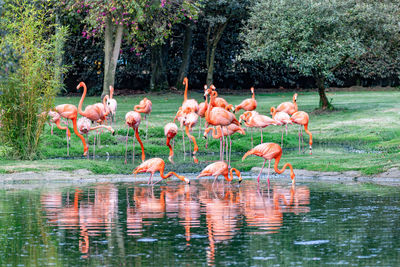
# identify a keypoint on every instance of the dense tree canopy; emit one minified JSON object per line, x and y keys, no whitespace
{"x":317,"y":37}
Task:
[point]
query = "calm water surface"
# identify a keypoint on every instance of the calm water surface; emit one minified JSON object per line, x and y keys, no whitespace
{"x":130,"y":224}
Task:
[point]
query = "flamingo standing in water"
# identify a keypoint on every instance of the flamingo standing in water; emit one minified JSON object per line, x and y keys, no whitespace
{"x":281,"y":118}
{"x":219,"y":117}
{"x":145,"y":107}
{"x":248,"y":104}
{"x":85,"y":126}
{"x":301,"y":118}
{"x":56,"y":119}
{"x":220,"y":168}
{"x":288,"y":107}
{"x":179,"y":116}
{"x":112,"y":104}
{"x":170,"y":130}
{"x":253,"y":119}
{"x":228,"y":131}
{"x":157,"y":165}
{"x":270,"y":151}
{"x":132,"y":119}
{"x":70,"y":112}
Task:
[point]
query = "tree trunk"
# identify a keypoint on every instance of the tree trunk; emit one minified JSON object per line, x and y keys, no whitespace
{"x":213,"y":37}
{"x":187,"y":43}
{"x":158,"y":80}
{"x":112,"y":47}
{"x":323,"y":100}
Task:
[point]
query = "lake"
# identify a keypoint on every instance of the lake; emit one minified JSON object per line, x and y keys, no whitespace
{"x":172,"y":224}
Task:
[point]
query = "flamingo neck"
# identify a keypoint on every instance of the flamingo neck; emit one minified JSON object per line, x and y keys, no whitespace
{"x":171,"y":152}
{"x":82,"y":98}
{"x":140,"y":142}
{"x":237,"y":174}
{"x":295,"y":104}
{"x":277,"y":159}
{"x":111,"y":92}
{"x":253,"y":96}
{"x":185,"y":81}
{"x":196,"y":148}
{"x":85,"y":148}
{"x":273,"y":110}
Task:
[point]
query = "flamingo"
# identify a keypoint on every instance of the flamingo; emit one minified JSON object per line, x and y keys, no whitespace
{"x":248,"y":104}
{"x":56,"y":119}
{"x":301,"y":118}
{"x":179,"y":116}
{"x":219,"y":101}
{"x":230,"y":130}
{"x":288,"y":107}
{"x":245,"y":117}
{"x":270,"y":151}
{"x":258,"y":121}
{"x":189,"y":121}
{"x":70,"y":112}
{"x":96,"y":112}
{"x":170,"y":130}
{"x":219,"y":117}
{"x":85,"y":126}
{"x":132,"y":119}
{"x":281,"y":118}
{"x":157,"y":165}
{"x":112,"y":104}
{"x":145,"y":107}
{"x":220,"y":168}
{"x":189,"y":103}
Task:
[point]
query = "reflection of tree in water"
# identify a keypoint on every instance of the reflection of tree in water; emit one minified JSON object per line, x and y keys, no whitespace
{"x":226,"y":208}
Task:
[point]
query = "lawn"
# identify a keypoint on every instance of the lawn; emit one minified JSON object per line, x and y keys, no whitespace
{"x":363,"y":133}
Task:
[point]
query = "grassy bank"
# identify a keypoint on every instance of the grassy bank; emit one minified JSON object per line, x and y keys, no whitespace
{"x":362,"y":134}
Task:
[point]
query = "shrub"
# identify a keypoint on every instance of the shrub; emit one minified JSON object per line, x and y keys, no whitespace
{"x":30,"y":71}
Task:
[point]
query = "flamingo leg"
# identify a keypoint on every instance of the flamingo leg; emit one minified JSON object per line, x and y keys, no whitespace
{"x":151,"y":178}
{"x":147,"y":124}
{"x":126,"y":146}
{"x":302,"y":140}
{"x":251,"y":131}
{"x":261,"y":136}
{"x":230,"y":151}
{"x":282,"y":137}
{"x":87,"y":140}
{"x":259,"y":175}
{"x":199,"y":126}
{"x":269,"y":166}
{"x":220,"y":148}
{"x":214,"y":180}
{"x":158,"y":181}
{"x":223,"y":143}
{"x":94,"y":146}
{"x":226,"y":149}
{"x":299,"y":138}
{"x":183,"y":140}
{"x":133,"y":152}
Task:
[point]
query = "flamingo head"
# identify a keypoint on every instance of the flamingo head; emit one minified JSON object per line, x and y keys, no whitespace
{"x":185,"y":80}
{"x":272,"y":110}
{"x":81,"y":84}
{"x":252,"y":90}
{"x":212,"y":87}
{"x":295,"y":97}
{"x":229,"y":108}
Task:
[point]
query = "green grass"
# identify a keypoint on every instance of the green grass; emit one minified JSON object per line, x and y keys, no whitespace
{"x":363,"y":134}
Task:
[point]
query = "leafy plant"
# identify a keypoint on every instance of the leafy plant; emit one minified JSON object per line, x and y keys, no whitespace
{"x":30,"y":50}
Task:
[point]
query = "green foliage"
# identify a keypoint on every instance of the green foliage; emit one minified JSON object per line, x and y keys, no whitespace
{"x":30,"y":49}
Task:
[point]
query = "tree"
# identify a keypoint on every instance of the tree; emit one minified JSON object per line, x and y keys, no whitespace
{"x":218,"y":14}
{"x":149,"y":22}
{"x":316,"y":37}
{"x":30,"y":71}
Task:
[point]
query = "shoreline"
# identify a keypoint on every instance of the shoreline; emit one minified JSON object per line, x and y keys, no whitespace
{"x":391,"y":177}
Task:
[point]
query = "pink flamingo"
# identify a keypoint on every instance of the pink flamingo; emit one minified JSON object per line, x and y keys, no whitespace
{"x":202,"y":109}
{"x":189,"y":103}
{"x":112,"y":104}
{"x":270,"y":151}
{"x":145,"y":107}
{"x":56,"y":119}
{"x":157,"y":165}
{"x":170,"y":131}
{"x":220,"y":168}
{"x":85,"y":126}
{"x":301,"y":118}
{"x":228,"y":131}
{"x":288,"y":107}
{"x":189,"y":121}
{"x":132,"y":119}
{"x":281,"y":118}
{"x":248,"y":104}
{"x":253,"y":119}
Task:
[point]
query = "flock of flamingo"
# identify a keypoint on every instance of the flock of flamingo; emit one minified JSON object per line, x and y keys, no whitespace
{"x":216,"y":111}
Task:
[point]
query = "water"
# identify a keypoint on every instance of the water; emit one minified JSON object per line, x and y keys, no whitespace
{"x":130,"y":224}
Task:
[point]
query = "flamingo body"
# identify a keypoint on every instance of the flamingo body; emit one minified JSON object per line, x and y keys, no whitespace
{"x":288,"y":107}
{"x":249,"y":104}
{"x":157,"y":165}
{"x":219,"y":168}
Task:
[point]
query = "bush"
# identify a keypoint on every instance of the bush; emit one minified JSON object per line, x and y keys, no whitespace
{"x":30,"y":73}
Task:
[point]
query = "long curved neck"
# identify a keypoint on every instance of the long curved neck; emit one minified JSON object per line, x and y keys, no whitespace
{"x":253,"y":96}
{"x":170,"y":174}
{"x":237,"y":172}
{"x":171,"y":152}
{"x":277,"y":159}
{"x":106,"y":109}
{"x":57,"y":122}
{"x":140,"y":142}
{"x":273,"y":110}
{"x":111,"y":92}
{"x":209,"y":108}
{"x":185,"y":81}
{"x":81,"y":101}
{"x":102,"y":126}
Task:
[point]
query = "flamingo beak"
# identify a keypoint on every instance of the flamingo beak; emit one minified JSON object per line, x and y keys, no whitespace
{"x":187,"y":180}
{"x":240,"y":179}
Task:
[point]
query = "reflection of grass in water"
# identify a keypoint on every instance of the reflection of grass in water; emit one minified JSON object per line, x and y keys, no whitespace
{"x":364,"y":122}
